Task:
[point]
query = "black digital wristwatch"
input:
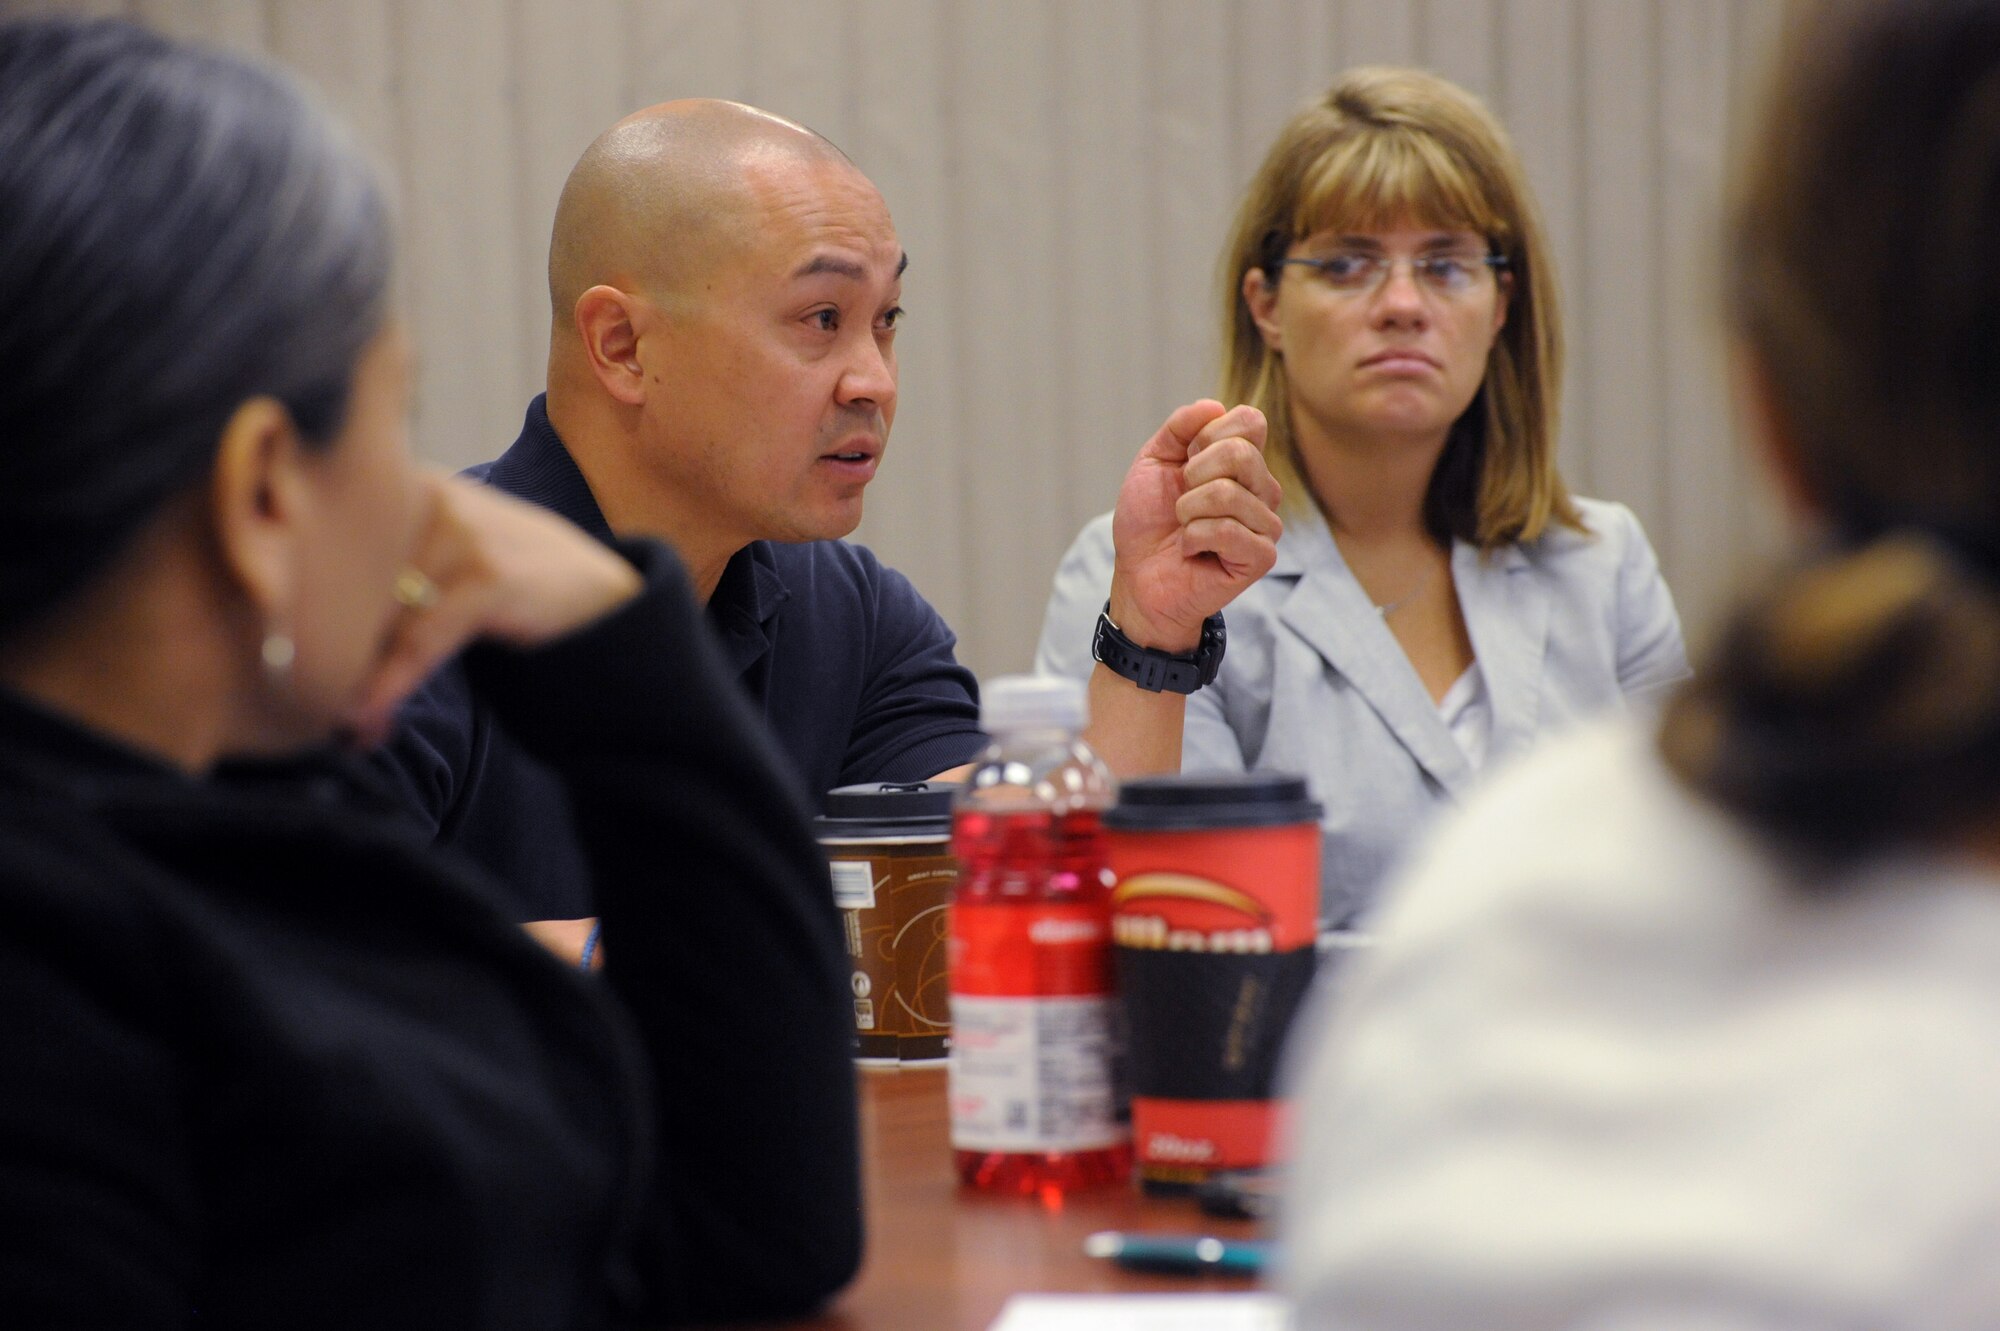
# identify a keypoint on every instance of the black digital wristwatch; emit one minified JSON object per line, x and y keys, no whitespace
{"x":1152,"y":669}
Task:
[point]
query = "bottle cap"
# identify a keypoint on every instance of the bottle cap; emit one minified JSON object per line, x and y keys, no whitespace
{"x":1033,"y":702}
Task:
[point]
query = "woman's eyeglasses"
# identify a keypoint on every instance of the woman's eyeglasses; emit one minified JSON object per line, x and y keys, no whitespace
{"x":1359,"y":273}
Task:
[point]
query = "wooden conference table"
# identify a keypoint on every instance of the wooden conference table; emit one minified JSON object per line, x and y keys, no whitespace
{"x":944,"y":1259}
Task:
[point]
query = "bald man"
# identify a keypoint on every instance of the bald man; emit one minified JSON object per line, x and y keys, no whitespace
{"x":726,"y":287}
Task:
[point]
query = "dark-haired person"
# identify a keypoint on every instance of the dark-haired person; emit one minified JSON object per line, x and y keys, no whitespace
{"x":271,"y":1060}
{"x":726,"y":288}
{"x":1440,"y":601}
{"x":1694,"y":1027}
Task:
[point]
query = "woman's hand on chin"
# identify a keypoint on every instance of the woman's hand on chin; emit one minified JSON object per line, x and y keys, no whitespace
{"x":486,"y":565}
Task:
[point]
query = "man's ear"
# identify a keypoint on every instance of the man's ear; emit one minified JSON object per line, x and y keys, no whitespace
{"x":257,"y":497}
{"x":609,"y":322}
{"x":1260,"y":297}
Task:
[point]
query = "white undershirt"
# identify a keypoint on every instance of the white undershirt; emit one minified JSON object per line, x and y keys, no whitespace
{"x":1468,"y":713}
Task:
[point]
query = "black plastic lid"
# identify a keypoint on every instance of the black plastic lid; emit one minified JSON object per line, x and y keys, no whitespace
{"x":1212,"y":799}
{"x":887,"y":808}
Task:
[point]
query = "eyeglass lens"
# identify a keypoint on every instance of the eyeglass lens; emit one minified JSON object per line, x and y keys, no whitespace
{"x":1450,"y":274}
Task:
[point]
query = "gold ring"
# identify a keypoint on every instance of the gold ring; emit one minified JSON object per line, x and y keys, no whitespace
{"x":415,"y":590}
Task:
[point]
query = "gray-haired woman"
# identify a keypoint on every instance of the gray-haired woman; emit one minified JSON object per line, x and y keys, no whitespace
{"x":269,"y":1059}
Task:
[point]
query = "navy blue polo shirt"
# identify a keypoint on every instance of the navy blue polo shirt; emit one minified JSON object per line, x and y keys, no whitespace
{"x":850,"y":667}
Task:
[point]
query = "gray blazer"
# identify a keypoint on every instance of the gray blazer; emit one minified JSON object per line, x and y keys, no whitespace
{"x":1565,"y":627}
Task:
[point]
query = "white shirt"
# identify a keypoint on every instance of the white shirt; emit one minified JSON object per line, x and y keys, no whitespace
{"x":1614,"y":1065}
{"x":1468,"y":714}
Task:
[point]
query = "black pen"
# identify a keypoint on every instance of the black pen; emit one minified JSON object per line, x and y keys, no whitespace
{"x":1180,"y":1254}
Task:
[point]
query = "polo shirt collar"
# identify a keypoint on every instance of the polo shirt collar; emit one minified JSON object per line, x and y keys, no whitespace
{"x":747,"y":599}
{"x":538,"y":467}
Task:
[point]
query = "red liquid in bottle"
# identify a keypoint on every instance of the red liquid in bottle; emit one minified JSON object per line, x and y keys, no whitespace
{"x":1036,"y":1082}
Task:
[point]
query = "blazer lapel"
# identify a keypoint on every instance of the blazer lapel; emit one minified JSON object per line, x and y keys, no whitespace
{"x":1507,"y":614}
{"x":1330,"y":612}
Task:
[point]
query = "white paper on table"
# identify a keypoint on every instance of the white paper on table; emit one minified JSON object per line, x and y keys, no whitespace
{"x":1144,"y":1312}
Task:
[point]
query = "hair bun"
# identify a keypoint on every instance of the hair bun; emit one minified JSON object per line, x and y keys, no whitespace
{"x":1856,"y":704}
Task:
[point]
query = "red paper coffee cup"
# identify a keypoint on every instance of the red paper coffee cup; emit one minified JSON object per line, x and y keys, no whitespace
{"x":1214,"y":920}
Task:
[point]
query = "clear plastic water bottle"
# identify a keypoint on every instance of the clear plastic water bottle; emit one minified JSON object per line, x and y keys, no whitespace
{"x":1037,"y":1105}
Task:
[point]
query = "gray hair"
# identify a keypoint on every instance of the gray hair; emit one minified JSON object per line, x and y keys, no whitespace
{"x":180,"y":231}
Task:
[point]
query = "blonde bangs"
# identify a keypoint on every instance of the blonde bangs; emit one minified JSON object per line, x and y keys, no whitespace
{"x":1385,"y":149}
{"x":1394,"y":176}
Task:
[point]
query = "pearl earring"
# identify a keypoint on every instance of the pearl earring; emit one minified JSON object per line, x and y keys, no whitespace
{"x":279,"y":652}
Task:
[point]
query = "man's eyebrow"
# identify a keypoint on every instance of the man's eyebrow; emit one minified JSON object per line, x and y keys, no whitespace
{"x":828,"y":263}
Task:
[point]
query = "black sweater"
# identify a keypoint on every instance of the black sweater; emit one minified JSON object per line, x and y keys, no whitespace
{"x":267,"y":1059}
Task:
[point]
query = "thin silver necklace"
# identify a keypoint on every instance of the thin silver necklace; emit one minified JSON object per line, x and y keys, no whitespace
{"x":1389,"y":608}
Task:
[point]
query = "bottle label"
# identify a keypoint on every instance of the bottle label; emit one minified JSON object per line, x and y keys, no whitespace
{"x":1030,"y":949}
{"x":1034,"y":1045}
{"x":1032,"y":1074}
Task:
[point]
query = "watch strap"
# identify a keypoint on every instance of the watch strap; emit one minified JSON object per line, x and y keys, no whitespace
{"x":1154,"y":670}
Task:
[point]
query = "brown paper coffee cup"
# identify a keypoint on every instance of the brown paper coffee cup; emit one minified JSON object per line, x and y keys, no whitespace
{"x":887,"y":848}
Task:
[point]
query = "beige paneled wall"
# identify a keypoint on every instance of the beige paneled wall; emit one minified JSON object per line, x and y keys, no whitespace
{"x":1061,"y":172}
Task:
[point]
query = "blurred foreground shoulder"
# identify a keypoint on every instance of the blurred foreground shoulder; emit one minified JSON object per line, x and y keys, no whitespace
{"x":1613,"y":1050}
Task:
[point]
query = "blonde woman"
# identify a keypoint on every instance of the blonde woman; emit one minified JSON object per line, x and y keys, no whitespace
{"x":1439,"y":599}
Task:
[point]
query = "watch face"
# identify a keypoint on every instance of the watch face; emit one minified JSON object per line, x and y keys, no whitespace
{"x":1214,"y":639}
